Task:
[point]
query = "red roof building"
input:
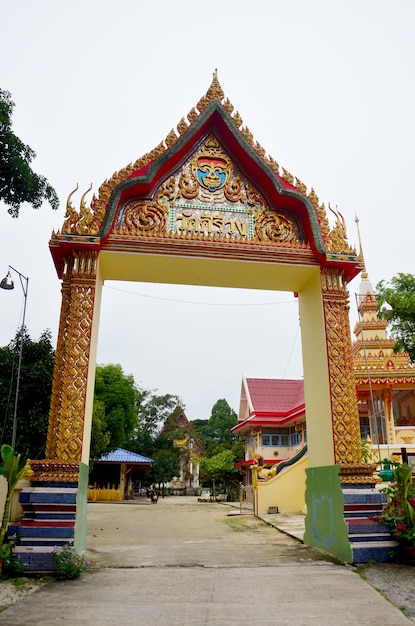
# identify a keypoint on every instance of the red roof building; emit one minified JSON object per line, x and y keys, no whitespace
{"x":271,"y":418}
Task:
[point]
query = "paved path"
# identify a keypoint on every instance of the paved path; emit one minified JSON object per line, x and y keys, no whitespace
{"x":186,"y":563}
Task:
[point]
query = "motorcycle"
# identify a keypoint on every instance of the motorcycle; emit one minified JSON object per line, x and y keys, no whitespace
{"x":153,"y":496}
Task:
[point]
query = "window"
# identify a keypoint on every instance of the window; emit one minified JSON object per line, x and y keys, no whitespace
{"x":295,"y":438}
{"x":280,"y":437}
{"x":377,"y":417}
{"x":364,"y":431}
{"x":275,"y":440}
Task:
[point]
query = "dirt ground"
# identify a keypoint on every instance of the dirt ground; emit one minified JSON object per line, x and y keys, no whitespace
{"x":11,"y":591}
{"x":395,"y":582}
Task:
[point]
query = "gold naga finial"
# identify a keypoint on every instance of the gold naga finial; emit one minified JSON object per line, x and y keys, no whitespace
{"x":338,"y":235}
{"x":71,"y":215}
{"x":84,"y":221}
{"x":83,"y":207}
{"x":83,"y":226}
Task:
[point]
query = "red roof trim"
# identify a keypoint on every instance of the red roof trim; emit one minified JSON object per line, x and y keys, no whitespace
{"x":249,"y":423}
{"x":249,"y":462}
{"x":246,"y":462}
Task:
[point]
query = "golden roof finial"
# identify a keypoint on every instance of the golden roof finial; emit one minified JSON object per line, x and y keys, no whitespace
{"x":215,"y":91}
{"x":365,"y":276}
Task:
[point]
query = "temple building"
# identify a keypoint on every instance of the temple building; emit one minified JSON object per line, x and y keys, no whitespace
{"x":271,"y":420}
{"x":272,"y":412}
{"x":184,"y":437}
{"x":385,"y":383}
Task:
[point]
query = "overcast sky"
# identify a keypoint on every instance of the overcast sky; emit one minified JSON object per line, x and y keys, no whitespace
{"x":326,"y":87}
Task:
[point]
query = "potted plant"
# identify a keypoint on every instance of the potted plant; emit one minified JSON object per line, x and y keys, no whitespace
{"x":399,"y":512}
{"x":386,"y":473}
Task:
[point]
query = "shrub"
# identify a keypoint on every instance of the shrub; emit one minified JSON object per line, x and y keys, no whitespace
{"x":12,"y":565}
{"x":68,"y":562}
{"x":399,"y":512}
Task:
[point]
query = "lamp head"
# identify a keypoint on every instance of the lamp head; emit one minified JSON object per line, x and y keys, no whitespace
{"x":7,"y":282}
{"x":387,"y":311}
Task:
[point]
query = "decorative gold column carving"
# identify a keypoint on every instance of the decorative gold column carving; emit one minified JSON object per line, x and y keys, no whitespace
{"x":66,"y":418}
{"x":345,"y":416}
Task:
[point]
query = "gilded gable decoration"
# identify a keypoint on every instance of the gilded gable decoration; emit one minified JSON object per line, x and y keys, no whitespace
{"x":209,"y":197}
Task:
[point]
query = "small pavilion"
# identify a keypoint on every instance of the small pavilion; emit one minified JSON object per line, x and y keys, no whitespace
{"x":116,"y":470}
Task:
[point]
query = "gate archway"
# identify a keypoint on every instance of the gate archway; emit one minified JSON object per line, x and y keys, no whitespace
{"x":209,"y":207}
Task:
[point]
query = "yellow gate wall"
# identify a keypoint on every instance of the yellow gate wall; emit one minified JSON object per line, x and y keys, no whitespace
{"x":316,"y":374}
{"x":285,"y":490}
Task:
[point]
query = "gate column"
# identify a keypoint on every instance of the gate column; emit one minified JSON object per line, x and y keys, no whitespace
{"x":334,"y":433}
{"x":66,"y":419}
{"x":345,"y":415}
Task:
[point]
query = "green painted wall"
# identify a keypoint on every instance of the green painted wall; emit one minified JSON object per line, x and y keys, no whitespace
{"x":325,"y":527}
{"x":81,"y":503}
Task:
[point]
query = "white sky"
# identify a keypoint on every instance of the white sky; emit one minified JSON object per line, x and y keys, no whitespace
{"x":327,"y":87}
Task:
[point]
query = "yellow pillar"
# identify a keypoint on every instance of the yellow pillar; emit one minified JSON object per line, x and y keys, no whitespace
{"x":316,"y":376}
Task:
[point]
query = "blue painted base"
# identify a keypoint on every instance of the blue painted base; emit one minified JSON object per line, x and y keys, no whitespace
{"x":48,"y":521}
{"x":369,"y":541}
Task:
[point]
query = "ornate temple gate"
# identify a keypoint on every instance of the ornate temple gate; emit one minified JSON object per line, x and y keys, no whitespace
{"x":209,"y":207}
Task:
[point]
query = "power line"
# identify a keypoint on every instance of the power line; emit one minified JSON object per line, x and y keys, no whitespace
{"x":230,"y":304}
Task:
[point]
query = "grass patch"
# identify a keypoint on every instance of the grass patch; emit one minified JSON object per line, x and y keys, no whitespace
{"x":241,"y":524}
{"x":19,"y":583}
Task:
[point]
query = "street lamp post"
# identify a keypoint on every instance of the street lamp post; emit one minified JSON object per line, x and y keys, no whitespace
{"x":7,"y":283}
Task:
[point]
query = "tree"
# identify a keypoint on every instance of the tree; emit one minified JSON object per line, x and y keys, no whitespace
{"x":400,"y":294}
{"x":116,"y":402}
{"x":35,"y":389}
{"x":221,"y":469}
{"x":100,"y":436}
{"x":215,"y":433}
{"x":18,"y":182}
{"x":222,"y":419}
{"x":153,"y":411}
{"x":166,"y":465}
{"x":202,"y":429}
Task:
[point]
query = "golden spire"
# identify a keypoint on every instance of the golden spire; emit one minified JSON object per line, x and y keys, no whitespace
{"x":215,"y":90}
{"x":365,"y":277}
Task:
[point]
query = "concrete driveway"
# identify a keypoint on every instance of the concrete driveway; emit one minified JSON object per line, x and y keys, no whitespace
{"x":185,"y":563}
